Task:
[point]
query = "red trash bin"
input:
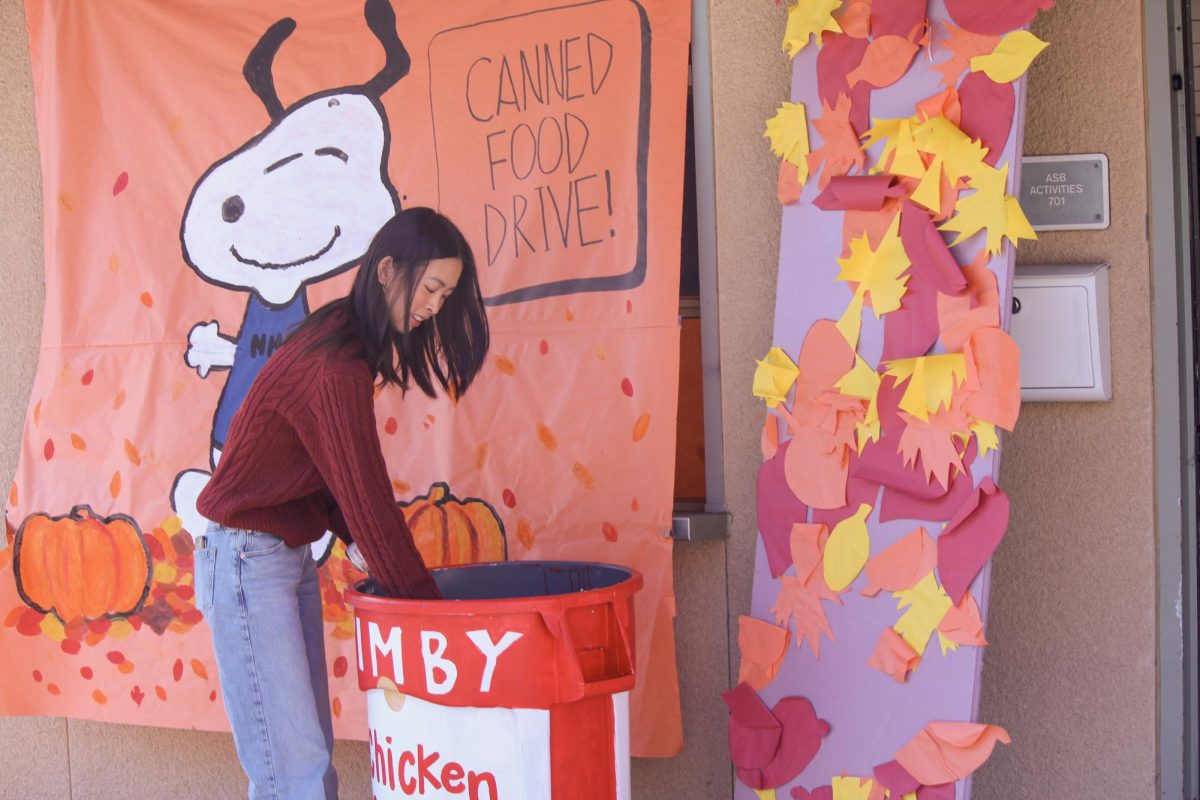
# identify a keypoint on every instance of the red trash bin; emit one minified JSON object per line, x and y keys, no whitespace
{"x":515,"y":686}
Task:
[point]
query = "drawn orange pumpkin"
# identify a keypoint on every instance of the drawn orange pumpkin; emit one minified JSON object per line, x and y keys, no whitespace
{"x":451,"y":531}
{"x":80,"y":566}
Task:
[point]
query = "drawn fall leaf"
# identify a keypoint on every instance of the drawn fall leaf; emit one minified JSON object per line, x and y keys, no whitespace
{"x":840,"y":148}
{"x":547,"y":437}
{"x":963,"y":46}
{"x":583,"y":475}
{"x":525,"y":533}
{"x":788,"y":133}
{"x":808,"y":18}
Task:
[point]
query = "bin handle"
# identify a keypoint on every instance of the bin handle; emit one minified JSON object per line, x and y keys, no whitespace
{"x":556,"y":622}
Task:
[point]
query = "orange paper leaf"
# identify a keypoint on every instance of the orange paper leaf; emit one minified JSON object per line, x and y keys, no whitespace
{"x":963,"y":46}
{"x":840,"y":147}
{"x":807,"y":545}
{"x":949,"y":751}
{"x":937,"y":442}
{"x":885,"y":62}
{"x":763,"y":646}
{"x":893,"y":656}
{"x":902,"y":565}
{"x":802,"y":607}
{"x":944,"y":104}
{"x":855,"y":18}
{"x":977,"y":307}
{"x":963,"y":623}
{"x":993,"y":377}
{"x":788,"y":189}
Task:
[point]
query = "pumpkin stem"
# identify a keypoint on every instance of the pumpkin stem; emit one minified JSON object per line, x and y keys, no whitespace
{"x":83,"y":512}
{"x":437,"y":492}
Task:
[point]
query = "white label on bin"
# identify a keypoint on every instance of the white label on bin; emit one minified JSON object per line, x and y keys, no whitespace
{"x":432,"y":751}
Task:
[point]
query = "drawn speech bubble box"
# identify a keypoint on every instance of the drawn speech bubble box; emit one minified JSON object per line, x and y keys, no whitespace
{"x":541,"y":133}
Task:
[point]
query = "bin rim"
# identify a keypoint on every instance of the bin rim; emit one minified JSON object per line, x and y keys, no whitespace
{"x":495,"y":605}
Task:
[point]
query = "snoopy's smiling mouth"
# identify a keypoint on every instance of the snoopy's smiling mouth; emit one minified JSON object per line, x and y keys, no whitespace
{"x":337,"y":231}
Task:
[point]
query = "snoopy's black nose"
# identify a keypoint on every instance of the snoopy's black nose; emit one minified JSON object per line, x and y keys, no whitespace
{"x":232,"y":209}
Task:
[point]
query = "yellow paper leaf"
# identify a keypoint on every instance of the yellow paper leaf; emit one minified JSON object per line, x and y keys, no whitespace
{"x":1011,"y":58}
{"x":847,"y":550}
{"x":788,"y":134}
{"x":1018,"y":224}
{"x":929,"y":191}
{"x":931,"y":381}
{"x":808,"y":18}
{"x":863,"y":382}
{"x":852,"y":788}
{"x":900,"y":145}
{"x":947,"y":645}
{"x":988,"y":207}
{"x":774,"y":376}
{"x":985,"y":435}
{"x":927,"y":603}
{"x":766,"y":794}
{"x":878,"y":272}
{"x":961,"y":156}
{"x":850,"y":323}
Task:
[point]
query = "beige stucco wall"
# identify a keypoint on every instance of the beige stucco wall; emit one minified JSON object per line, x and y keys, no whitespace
{"x":1071,"y":667}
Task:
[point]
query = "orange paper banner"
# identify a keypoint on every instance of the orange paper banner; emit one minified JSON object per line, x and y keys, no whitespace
{"x":212,"y":172}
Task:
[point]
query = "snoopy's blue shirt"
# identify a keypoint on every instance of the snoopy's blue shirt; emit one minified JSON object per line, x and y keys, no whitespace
{"x":264,"y":329}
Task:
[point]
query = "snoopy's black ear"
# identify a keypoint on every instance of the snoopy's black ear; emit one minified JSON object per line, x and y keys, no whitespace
{"x":381,"y":19}
{"x":257,"y":70}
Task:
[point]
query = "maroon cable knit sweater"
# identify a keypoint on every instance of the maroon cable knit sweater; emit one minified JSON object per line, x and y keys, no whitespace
{"x":303,"y":456}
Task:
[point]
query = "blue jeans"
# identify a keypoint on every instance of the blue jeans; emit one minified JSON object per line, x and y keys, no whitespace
{"x":262,"y":602}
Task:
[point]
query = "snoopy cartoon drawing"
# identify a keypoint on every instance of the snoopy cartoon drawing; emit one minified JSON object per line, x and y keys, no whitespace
{"x":297,"y":203}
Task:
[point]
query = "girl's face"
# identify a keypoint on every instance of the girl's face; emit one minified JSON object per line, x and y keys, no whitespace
{"x":438,"y":282}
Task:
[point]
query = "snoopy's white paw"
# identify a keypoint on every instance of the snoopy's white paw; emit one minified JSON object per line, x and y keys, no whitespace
{"x":188,"y":485}
{"x":322,"y":547}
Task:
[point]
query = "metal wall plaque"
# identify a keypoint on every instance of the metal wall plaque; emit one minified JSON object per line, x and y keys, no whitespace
{"x":1065,"y":193}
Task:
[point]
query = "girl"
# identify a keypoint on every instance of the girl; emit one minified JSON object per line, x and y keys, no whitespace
{"x":303,"y":457}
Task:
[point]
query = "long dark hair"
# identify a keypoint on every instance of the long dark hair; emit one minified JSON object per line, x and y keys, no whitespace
{"x":451,"y":347}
